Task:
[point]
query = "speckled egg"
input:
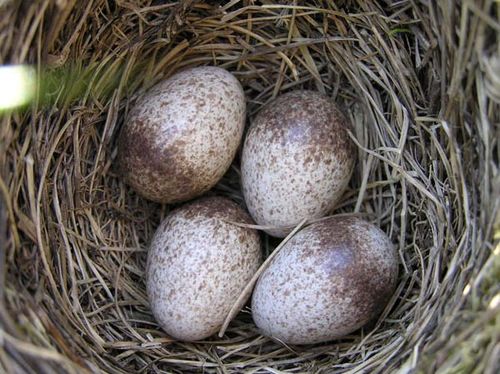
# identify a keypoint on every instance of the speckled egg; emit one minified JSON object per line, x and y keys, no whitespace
{"x":330,"y":279}
{"x":182,"y":135}
{"x":297,"y":160}
{"x":197,"y":266}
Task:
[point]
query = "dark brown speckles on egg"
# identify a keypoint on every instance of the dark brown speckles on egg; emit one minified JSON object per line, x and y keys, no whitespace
{"x":181,"y":137}
{"x":329,"y":280}
{"x":297,"y":160}
{"x":198,"y":265}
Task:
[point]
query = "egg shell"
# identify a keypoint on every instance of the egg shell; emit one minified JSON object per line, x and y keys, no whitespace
{"x":197,"y":266}
{"x":297,"y":160}
{"x":329,"y":280}
{"x":182,"y":135}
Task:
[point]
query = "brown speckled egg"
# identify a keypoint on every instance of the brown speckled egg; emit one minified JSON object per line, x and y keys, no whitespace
{"x":182,"y":135}
{"x":297,"y":160}
{"x":330,"y":279}
{"x":197,"y":266}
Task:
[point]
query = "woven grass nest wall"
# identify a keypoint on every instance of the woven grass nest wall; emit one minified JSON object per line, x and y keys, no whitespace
{"x":420,"y":80}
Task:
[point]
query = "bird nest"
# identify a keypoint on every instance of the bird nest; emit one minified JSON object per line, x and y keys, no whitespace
{"x":420,"y":83}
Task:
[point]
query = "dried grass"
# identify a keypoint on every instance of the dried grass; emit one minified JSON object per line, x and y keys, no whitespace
{"x":421,"y":82}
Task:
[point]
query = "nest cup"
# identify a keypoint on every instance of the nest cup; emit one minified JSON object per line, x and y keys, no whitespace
{"x":420,"y":83}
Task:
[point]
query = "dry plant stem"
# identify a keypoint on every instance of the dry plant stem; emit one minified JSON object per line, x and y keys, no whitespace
{"x":240,"y":301}
{"x":307,"y":222}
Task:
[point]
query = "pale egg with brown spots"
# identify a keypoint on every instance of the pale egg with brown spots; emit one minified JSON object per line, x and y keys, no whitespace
{"x":328,"y":280}
{"x":297,"y":160}
{"x":198,"y":263}
{"x":182,"y":135}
